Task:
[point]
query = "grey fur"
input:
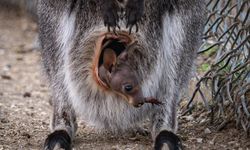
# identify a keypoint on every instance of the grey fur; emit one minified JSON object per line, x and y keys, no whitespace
{"x":168,"y":40}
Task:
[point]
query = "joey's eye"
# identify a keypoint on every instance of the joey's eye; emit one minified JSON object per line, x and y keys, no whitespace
{"x":128,"y":88}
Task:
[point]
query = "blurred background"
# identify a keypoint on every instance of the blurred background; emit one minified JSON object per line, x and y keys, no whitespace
{"x":215,"y":110}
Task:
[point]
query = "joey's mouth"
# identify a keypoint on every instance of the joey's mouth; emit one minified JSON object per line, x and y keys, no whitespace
{"x":117,"y":42}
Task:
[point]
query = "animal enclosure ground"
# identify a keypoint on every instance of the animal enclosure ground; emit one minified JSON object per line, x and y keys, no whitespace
{"x":25,"y":109}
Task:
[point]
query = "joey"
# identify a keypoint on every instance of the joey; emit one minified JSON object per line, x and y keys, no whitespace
{"x":120,"y":77}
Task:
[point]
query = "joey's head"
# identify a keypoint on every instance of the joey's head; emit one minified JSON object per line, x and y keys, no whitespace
{"x":125,"y":81}
{"x":119,"y":74}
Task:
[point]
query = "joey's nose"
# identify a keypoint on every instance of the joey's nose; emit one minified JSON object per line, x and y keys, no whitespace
{"x":138,"y":105}
{"x":136,"y":102}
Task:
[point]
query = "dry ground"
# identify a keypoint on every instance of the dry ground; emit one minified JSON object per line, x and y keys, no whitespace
{"x":25,"y":110}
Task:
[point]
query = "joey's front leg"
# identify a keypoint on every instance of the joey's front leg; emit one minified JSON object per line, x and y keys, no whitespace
{"x":63,"y":125}
{"x":134,"y":12}
{"x":110,"y":10}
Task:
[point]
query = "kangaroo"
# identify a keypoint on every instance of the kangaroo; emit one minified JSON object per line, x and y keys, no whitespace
{"x":71,"y":34}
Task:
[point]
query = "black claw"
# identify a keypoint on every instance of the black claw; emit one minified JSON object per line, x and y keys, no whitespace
{"x":58,"y":138}
{"x":130,"y":29}
{"x":134,"y":12}
{"x":118,"y":27}
{"x":170,"y":139}
{"x":136,"y":27}
{"x":110,"y":15}
{"x":108,"y":28}
{"x":114,"y":31}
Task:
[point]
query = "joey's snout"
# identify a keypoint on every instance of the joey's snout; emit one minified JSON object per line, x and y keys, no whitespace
{"x":126,"y":83}
{"x":136,"y":99}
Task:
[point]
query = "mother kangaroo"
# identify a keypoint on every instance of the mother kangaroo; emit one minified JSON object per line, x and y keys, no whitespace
{"x":73,"y":33}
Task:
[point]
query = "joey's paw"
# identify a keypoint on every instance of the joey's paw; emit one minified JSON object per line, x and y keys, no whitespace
{"x":167,"y":140}
{"x":153,"y":101}
{"x":134,"y":12}
{"x":58,"y":140}
{"x":110,"y":10}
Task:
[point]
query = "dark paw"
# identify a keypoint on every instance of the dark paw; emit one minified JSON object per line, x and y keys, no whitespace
{"x":58,"y":139}
{"x":171,"y":4}
{"x":153,"y":101}
{"x":167,"y":139}
{"x":134,"y":12}
{"x":110,"y":10}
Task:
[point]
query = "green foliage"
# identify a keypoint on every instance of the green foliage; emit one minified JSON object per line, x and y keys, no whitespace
{"x":204,"y":67}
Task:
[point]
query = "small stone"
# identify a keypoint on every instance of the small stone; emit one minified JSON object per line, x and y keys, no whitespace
{"x":4,"y":120}
{"x":2,"y":51}
{"x":199,"y":140}
{"x":27,"y":94}
{"x":19,"y":58}
{"x":7,"y":67}
{"x":6,"y":77}
{"x":31,"y":107}
{"x":207,"y":131}
{"x":189,"y":118}
{"x":134,"y":138}
{"x":211,"y":142}
{"x":232,"y":142}
{"x":114,"y":148}
{"x":202,"y":121}
{"x":13,"y":106}
{"x":26,"y":135}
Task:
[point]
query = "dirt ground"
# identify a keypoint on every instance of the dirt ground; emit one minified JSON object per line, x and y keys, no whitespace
{"x":25,"y":109}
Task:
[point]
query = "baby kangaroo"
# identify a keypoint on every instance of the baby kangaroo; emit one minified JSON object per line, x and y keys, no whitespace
{"x":116,"y":72}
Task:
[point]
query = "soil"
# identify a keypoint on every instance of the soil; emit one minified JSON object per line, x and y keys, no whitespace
{"x":25,"y":109}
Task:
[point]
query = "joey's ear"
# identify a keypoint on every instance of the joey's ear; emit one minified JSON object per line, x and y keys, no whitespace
{"x":132,"y":46}
{"x":123,"y":56}
{"x":128,"y":51}
{"x":109,"y":58}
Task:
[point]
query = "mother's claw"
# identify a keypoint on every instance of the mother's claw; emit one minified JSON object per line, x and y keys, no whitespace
{"x":153,"y":101}
{"x":134,"y":12}
{"x":110,"y":14}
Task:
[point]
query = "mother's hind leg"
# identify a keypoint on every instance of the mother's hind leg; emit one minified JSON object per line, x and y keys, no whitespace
{"x":63,"y":125}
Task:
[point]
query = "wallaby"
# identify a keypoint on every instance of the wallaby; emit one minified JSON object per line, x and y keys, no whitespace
{"x":72,"y":33}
